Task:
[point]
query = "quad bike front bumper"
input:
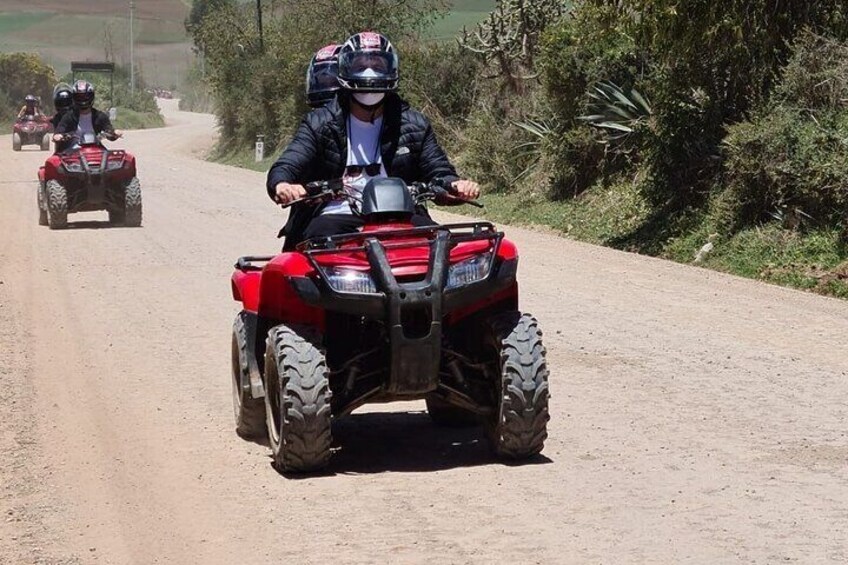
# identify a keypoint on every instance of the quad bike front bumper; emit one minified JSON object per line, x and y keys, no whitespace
{"x":413,"y":312}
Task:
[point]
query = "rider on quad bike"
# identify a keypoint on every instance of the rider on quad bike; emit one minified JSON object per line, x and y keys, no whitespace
{"x":31,"y":107}
{"x":322,"y":76}
{"x":371,"y":301}
{"x":367,"y":131}
{"x":63,"y":101}
{"x":83,"y":117}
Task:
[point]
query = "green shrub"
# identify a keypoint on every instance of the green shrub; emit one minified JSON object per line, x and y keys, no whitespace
{"x":22,"y":74}
{"x":790,"y":165}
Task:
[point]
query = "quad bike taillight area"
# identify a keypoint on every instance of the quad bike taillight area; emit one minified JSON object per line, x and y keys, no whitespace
{"x":381,"y":315}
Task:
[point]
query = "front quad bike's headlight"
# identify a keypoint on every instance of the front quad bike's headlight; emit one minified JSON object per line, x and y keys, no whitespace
{"x":348,"y":280}
{"x":469,"y":271}
{"x":72,"y":166}
{"x":114,"y":165}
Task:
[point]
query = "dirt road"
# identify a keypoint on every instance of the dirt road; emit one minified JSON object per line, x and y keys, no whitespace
{"x":696,"y":417}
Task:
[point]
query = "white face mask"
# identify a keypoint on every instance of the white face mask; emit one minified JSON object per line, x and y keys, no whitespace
{"x":369,"y":98}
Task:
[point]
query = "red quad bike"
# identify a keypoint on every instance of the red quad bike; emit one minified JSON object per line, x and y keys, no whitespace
{"x":393,"y":312}
{"x":32,"y":130}
{"x":89,"y":177}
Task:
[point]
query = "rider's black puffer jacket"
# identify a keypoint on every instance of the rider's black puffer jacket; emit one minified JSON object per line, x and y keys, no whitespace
{"x":318,"y":151}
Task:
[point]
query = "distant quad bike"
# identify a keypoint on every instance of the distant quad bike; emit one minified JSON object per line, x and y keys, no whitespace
{"x":32,"y":130}
{"x":394,"y":312}
{"x":89,"y":177}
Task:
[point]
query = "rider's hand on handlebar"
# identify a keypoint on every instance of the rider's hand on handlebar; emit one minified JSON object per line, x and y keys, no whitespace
{"x":59,"y":137}
{"x":287,"y":193}
{"x":466,"y":189}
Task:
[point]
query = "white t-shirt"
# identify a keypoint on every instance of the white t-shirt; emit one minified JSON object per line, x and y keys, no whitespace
{"x":363,"y":148}
{"x":85,"y":125}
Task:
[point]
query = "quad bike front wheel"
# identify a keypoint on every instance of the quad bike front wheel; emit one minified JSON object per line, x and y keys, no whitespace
{"x":518,"y":428}
{"x":130,"y":212}
{"x":57,"y":205}
{"x":16,"y":142}
{"x":297,"y":399}
{"x":45,"y":142}
{"x":249,"y":411}
{"x":42,"y":204}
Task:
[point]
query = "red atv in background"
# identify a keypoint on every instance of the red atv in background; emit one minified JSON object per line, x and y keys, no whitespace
{"x":89,"y":177}
{"x":32,"y":130}
{"x":393,"y":312}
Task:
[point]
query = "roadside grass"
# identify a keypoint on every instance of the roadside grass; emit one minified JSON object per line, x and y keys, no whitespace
{"x":242,"y":158}
{"x":815,"y":260}
{"x":130,"y":119}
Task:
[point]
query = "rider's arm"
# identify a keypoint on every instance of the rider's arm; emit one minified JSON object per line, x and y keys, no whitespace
{"x":67,"y":124}
{"x":434,"y":162}
{"x":102,"y":124}
{"x":294,"y":164}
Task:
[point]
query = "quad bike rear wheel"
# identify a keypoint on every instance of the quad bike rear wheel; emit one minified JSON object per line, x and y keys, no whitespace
{"x":57,"y":205}
{"x":297,"y":399}
{"x":45,"y":142}
{"x":42,"y":204}
{"x":249,"y":411}
{"x":16,"y":141}
{"x":448,"y":415}
{"x":518,"y":428}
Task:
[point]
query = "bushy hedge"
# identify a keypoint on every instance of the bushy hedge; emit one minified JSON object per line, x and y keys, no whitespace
{"x":22,"y":74}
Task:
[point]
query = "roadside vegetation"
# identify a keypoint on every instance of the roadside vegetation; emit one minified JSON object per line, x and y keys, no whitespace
{"x":708,"y":133}
{"x":26,"y":73}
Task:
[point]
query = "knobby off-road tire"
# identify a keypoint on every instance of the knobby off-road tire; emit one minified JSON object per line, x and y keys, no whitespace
{"x":132,"y":203}
{"x":447,"y":415}
{"x":16,"y":142}
{"x":519,"y":427}
{"x":57,"y":205}
{"x":42,"y":204}
{"x":297,"y":399}
{"x":249,"y":412}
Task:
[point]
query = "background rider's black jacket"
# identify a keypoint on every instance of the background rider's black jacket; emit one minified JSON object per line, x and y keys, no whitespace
{"x":318,"y":151}
{"x":70,"y":121}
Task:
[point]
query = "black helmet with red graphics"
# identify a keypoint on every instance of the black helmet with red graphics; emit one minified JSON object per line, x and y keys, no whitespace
{"x":322,"y":76}
{"x":368,"y":63}
{"x":83,"y":94}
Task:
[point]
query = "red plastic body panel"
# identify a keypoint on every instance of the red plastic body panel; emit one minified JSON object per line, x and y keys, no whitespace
{"x":53,"y":169}
{"x":41,"y":174}
{"x":269,"y":293}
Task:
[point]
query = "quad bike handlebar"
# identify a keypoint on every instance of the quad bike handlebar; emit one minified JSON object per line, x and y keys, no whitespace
{"x":438,"y":189}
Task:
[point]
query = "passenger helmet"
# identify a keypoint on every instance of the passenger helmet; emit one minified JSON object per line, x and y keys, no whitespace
{"x":83,"y":94}
{"x":368,"y":63}
{"x":322,"y":76}
{"x":63,"y":97}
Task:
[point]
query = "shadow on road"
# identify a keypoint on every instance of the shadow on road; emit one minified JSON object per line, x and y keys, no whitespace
{"x":407,"y":442}
{"x":94,"y":225}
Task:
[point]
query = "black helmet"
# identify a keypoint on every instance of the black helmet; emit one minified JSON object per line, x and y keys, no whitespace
{"x":322,"y":76}
{"x":63,"y":97}
{"x":30,"y":101}
{"x":83,"y":94}
{"x":368,"y":63}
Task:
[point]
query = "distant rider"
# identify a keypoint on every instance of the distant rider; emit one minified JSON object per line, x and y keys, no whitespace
{"x":322,"y":76}
{"x":83,"y":117}
{"x":367,"y":131}
{"x":31,"y":107}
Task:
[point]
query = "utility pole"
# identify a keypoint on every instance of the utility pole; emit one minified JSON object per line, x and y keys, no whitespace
{"x":259,"y":23}
{"x":132,"y":52}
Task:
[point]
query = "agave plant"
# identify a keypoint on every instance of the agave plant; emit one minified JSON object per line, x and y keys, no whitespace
{"x":616,"y":112}
{"x":540,"y":130}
